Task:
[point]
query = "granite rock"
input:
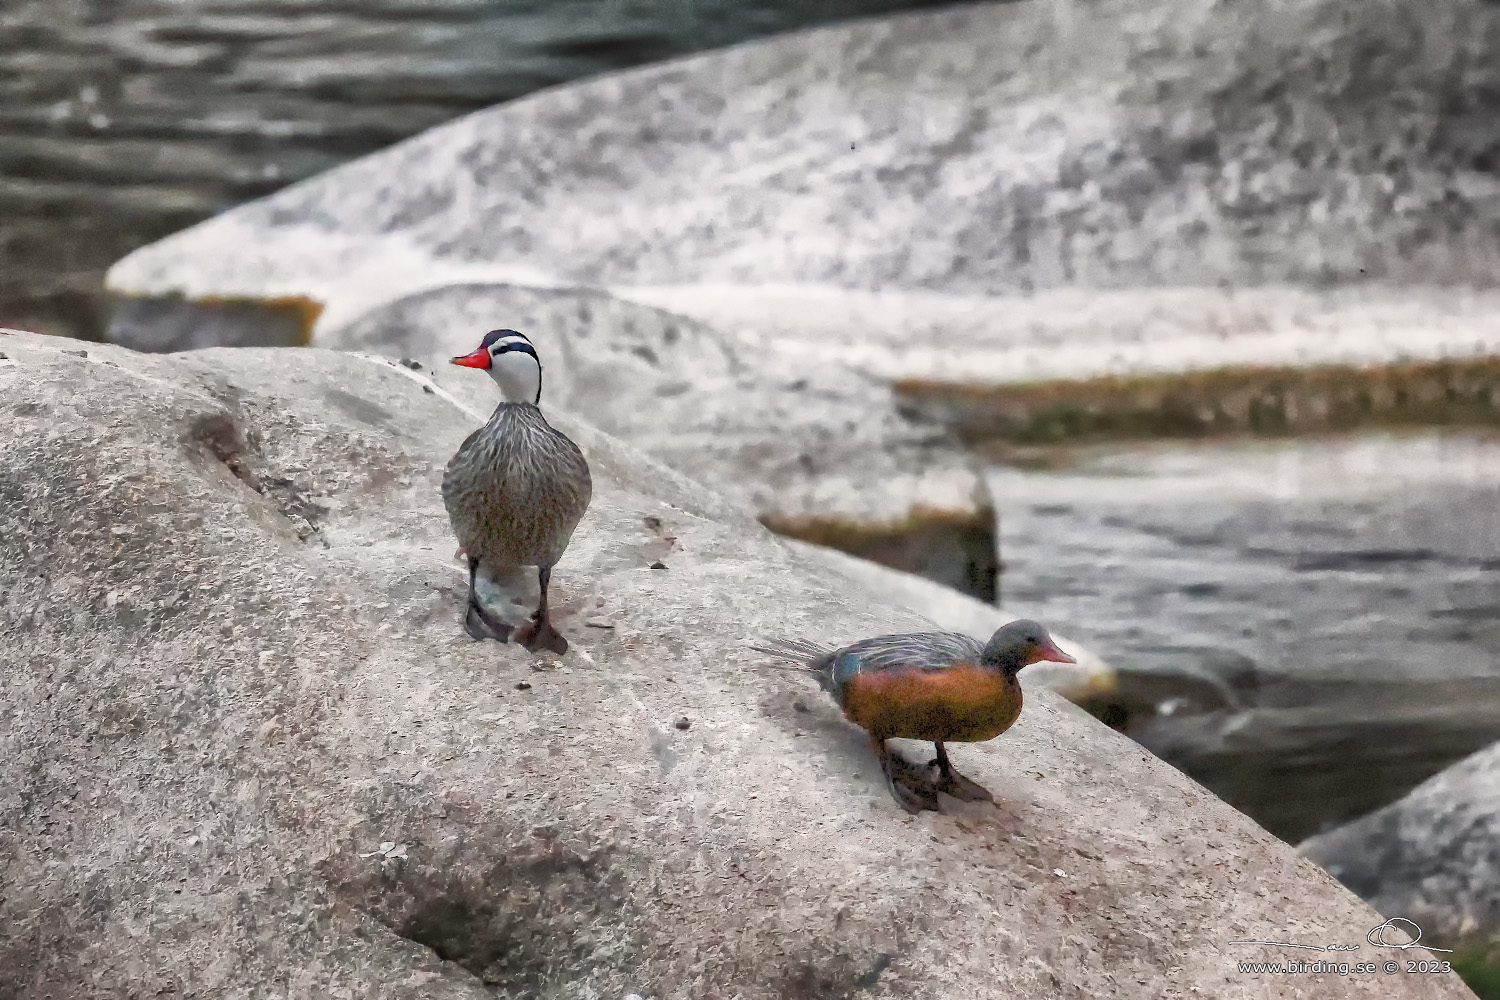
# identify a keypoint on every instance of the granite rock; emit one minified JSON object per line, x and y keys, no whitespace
{"x":974,"y":155}
{"x":246,"y":749}
{"x":816,"y":449}
{"x":1432,"y":856}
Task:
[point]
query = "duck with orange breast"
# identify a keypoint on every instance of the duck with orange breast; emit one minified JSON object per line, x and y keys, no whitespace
{"x":516,"y":489}
{"x":945,"y":687}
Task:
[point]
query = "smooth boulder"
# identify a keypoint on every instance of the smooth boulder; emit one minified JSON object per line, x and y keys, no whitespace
{"x":1179,"y":183}
{"x":1432,"y":856}
{"x":248,"y":751}
{"x":818,"y":450}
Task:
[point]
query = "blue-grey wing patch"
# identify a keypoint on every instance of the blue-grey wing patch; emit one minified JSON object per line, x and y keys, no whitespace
{"x":913,"y":651}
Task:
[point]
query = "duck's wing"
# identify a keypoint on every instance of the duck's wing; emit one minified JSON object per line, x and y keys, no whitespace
{"x":572,"y":469}
{"x":925,"y":651}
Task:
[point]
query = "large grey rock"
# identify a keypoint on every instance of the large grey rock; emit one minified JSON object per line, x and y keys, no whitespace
{"x":124,"y":121}
{"x":818,"y":450}
{"x":944,"y":166}
{"x":247,"y":751}
{"x":1432,"y":856}
{"x":721,"y":406}
{"x":1078,"y":334}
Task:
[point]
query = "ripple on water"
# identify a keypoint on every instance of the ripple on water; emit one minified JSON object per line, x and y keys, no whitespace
{"x":1308,"y":627}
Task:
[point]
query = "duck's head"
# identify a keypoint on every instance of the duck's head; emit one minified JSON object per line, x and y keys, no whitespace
{"x":512,"y":362}
{"x":1020,"y":643}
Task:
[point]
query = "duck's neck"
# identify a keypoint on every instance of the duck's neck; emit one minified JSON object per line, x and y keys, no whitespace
{"x":519,"y":377}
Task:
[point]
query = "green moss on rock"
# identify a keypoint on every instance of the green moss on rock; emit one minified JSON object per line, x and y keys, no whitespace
{"x":1265,"y":401}
{"x":956,"y":548}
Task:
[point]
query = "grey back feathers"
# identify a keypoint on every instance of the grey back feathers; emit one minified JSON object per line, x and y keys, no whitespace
{"x":910,"y":651}
{"x":834,"y":668}
{"x":797,"y":650}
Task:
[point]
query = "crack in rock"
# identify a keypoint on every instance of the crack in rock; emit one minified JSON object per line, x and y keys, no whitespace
{"x":237,"y":452}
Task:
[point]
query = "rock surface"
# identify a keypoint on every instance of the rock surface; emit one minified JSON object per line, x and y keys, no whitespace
{"x":1078,"y":334}
{"x":944,"y":159}
{"x":817,"y":450}
{"x":1433,"y":856}
{"x":247,"y":750}
{"x":962,"y":203}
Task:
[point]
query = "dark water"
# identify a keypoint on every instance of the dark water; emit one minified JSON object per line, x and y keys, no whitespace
{"x":1309,"y":628}
{"x":122,"y":121}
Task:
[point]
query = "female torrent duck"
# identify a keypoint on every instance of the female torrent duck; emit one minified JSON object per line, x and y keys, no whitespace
{"x":938,"y":686}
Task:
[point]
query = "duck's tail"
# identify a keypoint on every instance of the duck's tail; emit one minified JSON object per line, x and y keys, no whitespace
{"x":808,"y":657}
{"x":799,"y":651}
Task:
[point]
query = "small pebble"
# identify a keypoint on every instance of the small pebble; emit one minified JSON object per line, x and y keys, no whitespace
{"x":658,"y":565}
{"x":77,"y":354}
{"x":523,"y":685}
{"x":684,"y":723}
{"x":428,"y":389}
{"x":800,"y":706}
{"x":599,"y":623}
{"x":414,"y":366}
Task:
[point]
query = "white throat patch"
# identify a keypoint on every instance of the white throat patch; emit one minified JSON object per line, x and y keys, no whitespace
{"x":517,"y":373}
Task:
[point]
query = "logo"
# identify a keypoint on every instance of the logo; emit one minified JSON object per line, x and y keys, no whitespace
{"x":1377,"y":938}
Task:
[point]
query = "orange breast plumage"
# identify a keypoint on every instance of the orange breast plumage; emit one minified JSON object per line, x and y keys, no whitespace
{"x":965,"y":703}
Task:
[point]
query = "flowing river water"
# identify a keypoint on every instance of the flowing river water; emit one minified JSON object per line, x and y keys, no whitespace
{"x":1308,"y":627}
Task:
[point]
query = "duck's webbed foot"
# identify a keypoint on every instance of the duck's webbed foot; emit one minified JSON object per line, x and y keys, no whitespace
{"x":908,"y":785}
{"x":481,"y":625}
{"x":914,"y":796}
{"x":539,"y":634}
{"x":950,"y":782}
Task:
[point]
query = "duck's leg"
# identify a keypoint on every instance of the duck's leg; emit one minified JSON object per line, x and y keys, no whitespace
{"x":539,"y":633}
{"x":911,"y":792}
{"x":478,"y":622}
{"x":955,"y":784}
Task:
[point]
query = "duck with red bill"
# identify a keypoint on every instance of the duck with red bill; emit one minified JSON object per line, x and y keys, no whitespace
{"x":516,"y":489}
{"x":939,"y":686}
